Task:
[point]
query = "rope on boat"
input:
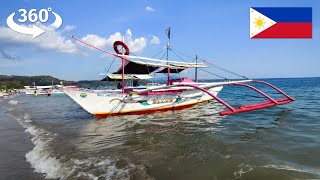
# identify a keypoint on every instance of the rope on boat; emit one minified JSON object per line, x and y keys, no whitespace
{"x":112,"y":110}
{"x":218,"y":67}
{"x":202,"y":69}
{"x":158,"y":53}
{"x":213,"y":65}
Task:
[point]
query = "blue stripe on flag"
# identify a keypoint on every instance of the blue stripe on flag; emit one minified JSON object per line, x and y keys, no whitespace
{"x":287,"y":14}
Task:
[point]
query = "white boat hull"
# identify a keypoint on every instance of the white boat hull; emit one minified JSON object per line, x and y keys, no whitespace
{"x":104,"y":103}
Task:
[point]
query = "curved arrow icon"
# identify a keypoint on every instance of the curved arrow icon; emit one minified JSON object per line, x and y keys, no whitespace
{"x":35,"y":31}
{"x":58,"y":22}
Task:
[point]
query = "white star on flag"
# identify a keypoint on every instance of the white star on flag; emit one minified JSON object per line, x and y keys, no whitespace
{"x":259,"y":22}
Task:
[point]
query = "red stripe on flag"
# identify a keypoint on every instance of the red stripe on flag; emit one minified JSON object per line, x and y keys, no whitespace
{"x":287,"y":30}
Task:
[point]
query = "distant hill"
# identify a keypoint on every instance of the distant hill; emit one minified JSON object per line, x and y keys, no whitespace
{"x":17,"y":82}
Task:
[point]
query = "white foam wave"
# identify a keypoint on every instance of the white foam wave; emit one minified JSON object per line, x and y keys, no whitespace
{"x":88,"y":175}
{"x":13,"y":102}
{"x":243,"y":169}
{"x":43,"y":159}
{"x":293,"y":168}
{"x":40,"y":157}
{"x":107,"y":168}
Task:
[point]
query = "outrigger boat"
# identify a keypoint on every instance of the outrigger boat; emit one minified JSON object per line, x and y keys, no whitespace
{"x":42,"y":90}
{"x":176,"y":94}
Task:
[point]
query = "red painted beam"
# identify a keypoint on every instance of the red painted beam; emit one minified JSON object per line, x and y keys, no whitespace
{"x":252,"y":107}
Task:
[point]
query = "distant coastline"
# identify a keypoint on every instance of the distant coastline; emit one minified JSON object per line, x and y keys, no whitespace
{"x":18,"y":82}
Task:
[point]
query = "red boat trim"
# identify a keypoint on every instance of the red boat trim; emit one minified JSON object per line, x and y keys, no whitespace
{"x":149,"y":111}
{"x":272,"y":86}
{"x":250,"y":107}
{"x":257,"y":90}
{"x":210,"y":94}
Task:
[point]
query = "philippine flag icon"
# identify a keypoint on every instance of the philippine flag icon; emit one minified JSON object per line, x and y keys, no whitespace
{"x":281,"y":22}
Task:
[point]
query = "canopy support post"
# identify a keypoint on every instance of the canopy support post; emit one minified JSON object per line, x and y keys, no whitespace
{"x":196,"y":69}
{"x":123,"y":60}
{"x":168,"y":80}
{"x":168,"y":49}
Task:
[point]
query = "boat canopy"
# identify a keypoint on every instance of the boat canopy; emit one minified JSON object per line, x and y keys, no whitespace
{"x":177,"y":70}
{"x":149,"y":65}
{"x":113,"y":77}
{"x":164,"y":63}
{"x":132,"y":67}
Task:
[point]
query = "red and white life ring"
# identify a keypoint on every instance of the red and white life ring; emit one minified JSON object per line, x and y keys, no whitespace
{"x":124,"y":46}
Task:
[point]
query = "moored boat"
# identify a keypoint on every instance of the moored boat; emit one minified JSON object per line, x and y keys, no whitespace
{"x":176,"y":94}
{"x":42,"y":90}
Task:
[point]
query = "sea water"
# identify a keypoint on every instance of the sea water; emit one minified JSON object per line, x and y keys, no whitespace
{"x":54,"y":138}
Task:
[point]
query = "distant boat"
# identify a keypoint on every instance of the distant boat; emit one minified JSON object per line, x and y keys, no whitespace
{"x":3,"y":94}
{"x":42,"y":90}
{"x":57,"y":91}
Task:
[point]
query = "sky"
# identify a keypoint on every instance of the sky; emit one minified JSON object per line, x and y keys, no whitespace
{"x":216,"y":30}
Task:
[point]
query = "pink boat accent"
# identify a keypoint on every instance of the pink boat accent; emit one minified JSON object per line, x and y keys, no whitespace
{"x":277,"y":89}
{"x":180,"y":80}
{"x":163,"y":92}
{"x":250,"y":107}
{"x":209,"y":93}
{"x":257,"y":90}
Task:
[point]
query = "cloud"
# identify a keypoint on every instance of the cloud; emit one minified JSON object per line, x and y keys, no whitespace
{"x":57,"y":41}
{"x":68,"y":28}
{"x":50,"y":40}
{"x":149,"y":9}
{"x":154,"y":40}
{"x":136,"y":45}
{"x":95,"y":40}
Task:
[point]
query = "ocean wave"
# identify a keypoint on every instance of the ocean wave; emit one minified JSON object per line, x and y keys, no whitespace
{"x":93,"y":168}
{"x":13,"y":102}
{"x":46,"y":161}
{"x":40,"y":156}
{"x":293,"y":168}
{"x":243,"y":169}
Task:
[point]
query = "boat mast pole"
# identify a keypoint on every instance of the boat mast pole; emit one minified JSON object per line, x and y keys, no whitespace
{"x":123,"y":60}
{"x":168,"y":49}
{"x":196,"y":69}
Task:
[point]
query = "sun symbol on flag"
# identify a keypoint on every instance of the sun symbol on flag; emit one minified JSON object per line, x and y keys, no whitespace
{"x":259,"y":22}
